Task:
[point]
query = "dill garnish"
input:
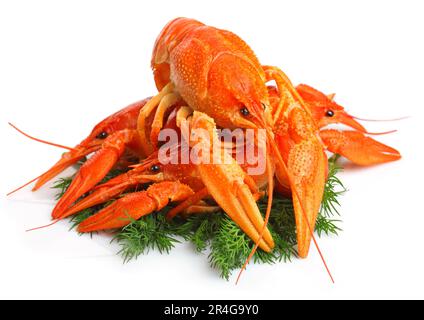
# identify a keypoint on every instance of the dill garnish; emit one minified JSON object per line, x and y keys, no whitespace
{"x":228,"y":245}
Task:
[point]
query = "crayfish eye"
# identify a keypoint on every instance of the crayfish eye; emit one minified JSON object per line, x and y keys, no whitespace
{"x":154,"y":168}
{"x":244,"y":111}
{"x":329,"y":113}
{"x":102,"y":135}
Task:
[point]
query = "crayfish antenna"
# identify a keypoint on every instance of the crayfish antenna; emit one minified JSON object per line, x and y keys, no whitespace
{"x":23,"y":186}
{"x":39,"y":140}
{"x":380,"y":133}
{"x":382,"y":120}
{"x":42,"y":227}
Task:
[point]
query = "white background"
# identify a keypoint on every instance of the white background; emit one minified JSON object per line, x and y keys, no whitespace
{"x":65,"y":65}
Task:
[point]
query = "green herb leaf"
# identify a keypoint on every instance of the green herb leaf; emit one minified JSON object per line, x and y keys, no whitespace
{"x":229,"y":246}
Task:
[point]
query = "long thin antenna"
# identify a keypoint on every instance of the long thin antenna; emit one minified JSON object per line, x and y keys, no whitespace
{"x":380,"y":133}
{"x":381,"y":120}
{"x":40,"y":140}
{"x":17,"y":189}
{"x":45,"y":226}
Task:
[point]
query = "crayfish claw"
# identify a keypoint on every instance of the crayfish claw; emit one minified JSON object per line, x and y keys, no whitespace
{"x":135,"y":205}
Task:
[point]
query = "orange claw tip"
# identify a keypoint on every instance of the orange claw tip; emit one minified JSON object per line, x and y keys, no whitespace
{"x":67,"y":160}
{"x":100,"y":195}
{"x":94,"y":170}
{"x":358,"y":148}
{"x":270,"y":173}
{"x":119,"y":213}
{"x":91,"y":172}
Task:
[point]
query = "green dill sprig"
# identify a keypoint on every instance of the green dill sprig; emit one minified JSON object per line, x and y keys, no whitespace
{"x":334,"y":188}
{"x":327,"y":226}
{"x":199,"y":229}
{"x":62,"y":184}
{"x":149,"y":232}
{"x":229,"y":246}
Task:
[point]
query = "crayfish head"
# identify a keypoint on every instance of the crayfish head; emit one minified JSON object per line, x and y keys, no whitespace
{"x":325,"y":110}
{"x":123,"y":119}
{"x":237,"y":94}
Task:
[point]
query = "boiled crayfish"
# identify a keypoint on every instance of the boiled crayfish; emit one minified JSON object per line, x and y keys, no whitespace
{"x":209,"y":78}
